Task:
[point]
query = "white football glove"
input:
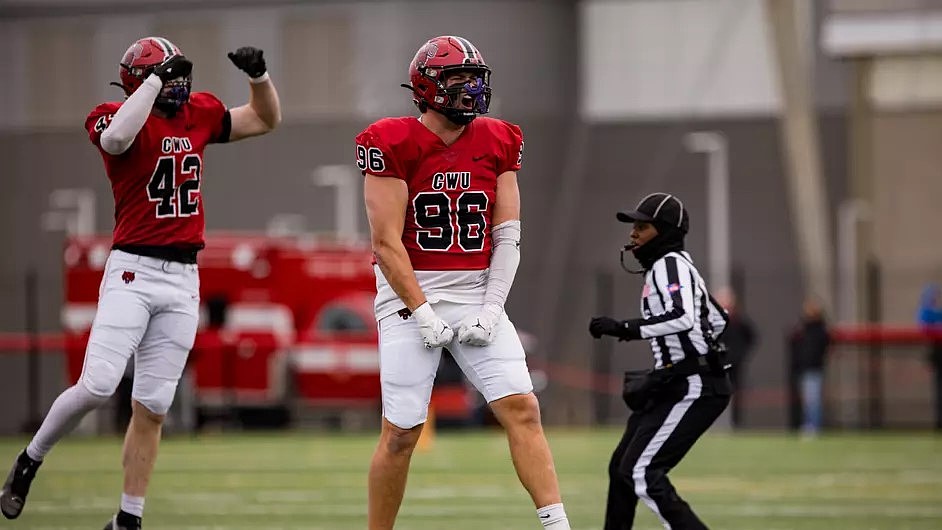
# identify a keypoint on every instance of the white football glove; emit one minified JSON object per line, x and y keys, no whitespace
{"x":435,"y":331}
{"x":478,"y":329}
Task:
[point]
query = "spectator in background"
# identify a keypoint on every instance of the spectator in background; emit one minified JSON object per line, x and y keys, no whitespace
{"x":930,"y":315}
{"x":739,"y":339}
{"x":809,"y":346}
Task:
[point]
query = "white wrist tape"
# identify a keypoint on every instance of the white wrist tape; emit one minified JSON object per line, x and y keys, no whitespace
{"x":505,"y":259}
{"x":424,"y":313}
{"x":260,"y":79}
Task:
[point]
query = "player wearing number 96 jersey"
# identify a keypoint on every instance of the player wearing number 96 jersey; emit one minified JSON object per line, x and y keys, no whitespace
{"x":444,"y":208}
{"x":152,"y":146}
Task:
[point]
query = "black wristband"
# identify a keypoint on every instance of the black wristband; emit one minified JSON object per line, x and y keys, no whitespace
{"x":632,"y":329}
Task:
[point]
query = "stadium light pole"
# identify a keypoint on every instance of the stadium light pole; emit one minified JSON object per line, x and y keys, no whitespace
{"x":346,"y":206}
{"x":849,"y":214}
{"x":71,"y":210}
{"x":714,"y":145}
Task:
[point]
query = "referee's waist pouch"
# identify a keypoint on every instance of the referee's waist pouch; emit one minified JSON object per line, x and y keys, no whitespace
{"x":641,"y":387}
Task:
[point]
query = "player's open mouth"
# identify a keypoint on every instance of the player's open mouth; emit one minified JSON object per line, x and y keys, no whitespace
{"x":467,"y":101}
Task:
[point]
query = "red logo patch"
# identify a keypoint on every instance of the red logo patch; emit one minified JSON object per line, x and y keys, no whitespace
{"x":128,"y":276}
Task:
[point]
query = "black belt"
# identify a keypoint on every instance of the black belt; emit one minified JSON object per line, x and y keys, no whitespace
{"x":711,"y":363}
{"x":177,"y":254}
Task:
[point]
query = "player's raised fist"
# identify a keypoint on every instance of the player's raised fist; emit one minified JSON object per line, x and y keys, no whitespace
{"x":173,"y":68}
{"x":250,"y":60}
{"x":435,"y":331}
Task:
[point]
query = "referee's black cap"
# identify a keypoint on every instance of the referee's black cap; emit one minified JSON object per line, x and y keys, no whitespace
{"x":661,"y":208}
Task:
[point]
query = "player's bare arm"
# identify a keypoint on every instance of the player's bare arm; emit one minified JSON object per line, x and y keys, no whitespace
{"x":263,"y":111}
{"x":507,"y":201}
{"x":386,"y":200}
{"x":478,"y":330}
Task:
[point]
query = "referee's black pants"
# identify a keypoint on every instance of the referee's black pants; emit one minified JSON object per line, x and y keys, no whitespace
{"x":655,"y":441}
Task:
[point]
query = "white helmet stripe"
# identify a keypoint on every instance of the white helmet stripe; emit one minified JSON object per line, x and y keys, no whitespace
{"x":472,"y":52}
{"x":165,"y":46}
{"x":461,"y":44}
{"x":173,"y":47}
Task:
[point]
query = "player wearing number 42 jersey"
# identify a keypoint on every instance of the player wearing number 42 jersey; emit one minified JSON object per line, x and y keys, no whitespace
{"x":152,"y":146}
{"x":444,"y":208}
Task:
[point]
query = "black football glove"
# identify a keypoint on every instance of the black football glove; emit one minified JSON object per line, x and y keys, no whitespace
{"x":250,"y":60}
{"x":599,"y":326}
{"x":623,"y":329}
{"x":174,"y":67}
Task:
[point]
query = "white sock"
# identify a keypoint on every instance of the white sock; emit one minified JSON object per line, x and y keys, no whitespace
{"x":65,"y":414}
{"x":553,"y":517}
{"x":132,"y":505}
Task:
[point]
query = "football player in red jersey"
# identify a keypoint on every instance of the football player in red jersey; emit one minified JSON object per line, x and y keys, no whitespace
{"x":152,"y":146}
{"x":444,"y":209}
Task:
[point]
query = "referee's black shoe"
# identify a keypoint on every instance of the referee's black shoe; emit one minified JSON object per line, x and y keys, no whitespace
{"x":16,"y":488}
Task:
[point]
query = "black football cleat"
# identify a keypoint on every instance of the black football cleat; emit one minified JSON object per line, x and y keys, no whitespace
{"x":124,"y":521}
{"x":15,"y":489}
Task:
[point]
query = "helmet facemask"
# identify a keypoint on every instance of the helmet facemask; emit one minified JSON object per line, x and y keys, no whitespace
{"x":462,"y":102}
{"x":173,"y":95}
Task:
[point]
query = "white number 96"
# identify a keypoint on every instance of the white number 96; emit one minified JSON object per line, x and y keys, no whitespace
{"x":370,"y":159}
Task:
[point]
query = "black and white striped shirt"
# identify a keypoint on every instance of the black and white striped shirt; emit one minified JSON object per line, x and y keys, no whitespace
{"x":678,"y":315}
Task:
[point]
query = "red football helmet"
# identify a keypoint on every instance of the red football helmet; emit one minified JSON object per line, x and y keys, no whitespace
{"x":433,"y":62}
{"x":139,"y":61}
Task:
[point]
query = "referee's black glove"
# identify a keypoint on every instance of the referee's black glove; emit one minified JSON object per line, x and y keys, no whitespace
{"x":623,"y":329}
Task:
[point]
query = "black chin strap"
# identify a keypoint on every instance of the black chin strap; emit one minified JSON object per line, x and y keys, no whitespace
{"x":453,"y":115}
{"x":458,"y":117}
{"x":169,"y":109}
{"x":122,"y":87}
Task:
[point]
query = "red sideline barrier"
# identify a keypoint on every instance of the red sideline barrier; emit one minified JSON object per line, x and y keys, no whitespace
{"x":22,"y":341}
{"x":566,"y":375}
{"x":868,"y":333}
{"x":841,"y":334}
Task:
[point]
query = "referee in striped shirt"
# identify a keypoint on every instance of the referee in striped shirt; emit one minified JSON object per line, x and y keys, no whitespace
{"x":674,"y":403}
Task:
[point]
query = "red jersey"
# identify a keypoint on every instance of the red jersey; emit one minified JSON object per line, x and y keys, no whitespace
{"x":156,"y":182}
{"x":451,"y":187}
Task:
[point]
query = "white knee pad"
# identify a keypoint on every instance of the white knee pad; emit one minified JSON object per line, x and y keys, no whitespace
{"x":156,"y":395}
{"x":84,"y":399}
{"x":101,"y":376}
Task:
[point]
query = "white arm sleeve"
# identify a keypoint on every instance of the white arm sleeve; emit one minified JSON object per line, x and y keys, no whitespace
{"x":129,"y":119}
{"x":504,"y":262}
